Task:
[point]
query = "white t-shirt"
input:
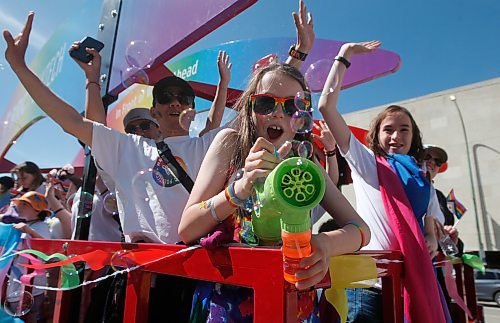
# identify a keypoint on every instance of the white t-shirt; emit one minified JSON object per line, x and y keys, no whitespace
{"x":369,"y":200}
{"x":150,"y":198}
{"x":17,"y":270}
{"x":103,"y":227}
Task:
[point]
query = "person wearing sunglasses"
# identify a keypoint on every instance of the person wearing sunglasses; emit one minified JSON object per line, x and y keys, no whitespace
{"x":262,"y":135}
{"x":139,"y":121}
{"x":149,"y":196}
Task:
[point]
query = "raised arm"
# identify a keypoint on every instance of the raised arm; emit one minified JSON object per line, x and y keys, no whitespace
{"x":326,"y":138}
{"x":329,"y":97}
{"x":305,"y":34}
{"x":56,"y":108}
{"x":94,"y":108}
{"x":217,"y":109}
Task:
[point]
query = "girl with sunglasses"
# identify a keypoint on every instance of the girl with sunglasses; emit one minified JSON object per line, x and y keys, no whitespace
{"x":392,"y":195}
{"x":263,"y":133}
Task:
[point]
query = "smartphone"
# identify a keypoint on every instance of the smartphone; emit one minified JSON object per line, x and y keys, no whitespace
{"x":81,"y":54}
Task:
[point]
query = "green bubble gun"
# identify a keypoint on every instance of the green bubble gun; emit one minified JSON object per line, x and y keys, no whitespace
{"x":290,"y":191}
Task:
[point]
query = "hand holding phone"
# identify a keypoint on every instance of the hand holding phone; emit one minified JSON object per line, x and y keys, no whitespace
{"x":81,"y":54}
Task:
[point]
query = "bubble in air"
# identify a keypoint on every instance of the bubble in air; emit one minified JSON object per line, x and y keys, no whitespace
{"x":302,"y":101}
{"x":186,"y":117}
{"x":139,"y":54}
{"x":302,"y":122}
{"x":110,"y":204}
{"x":305,"y":149}
{"x":123,"y":259}
{"x":18,"y":303}
{"x":133,"y":75}
{"x":317,"y":74}
{"x":88,"y":204}
{"x":70,"y":200}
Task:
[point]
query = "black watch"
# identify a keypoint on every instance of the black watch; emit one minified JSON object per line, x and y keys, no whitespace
{"x":297,"y":54}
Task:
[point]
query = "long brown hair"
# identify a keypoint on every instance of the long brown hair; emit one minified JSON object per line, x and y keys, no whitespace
{"x":416,"y":148}
{"x":247,"y":133}
{"x":33,"y":169}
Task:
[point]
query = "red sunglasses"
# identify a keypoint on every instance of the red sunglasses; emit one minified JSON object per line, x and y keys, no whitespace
{"x":266,"y":103}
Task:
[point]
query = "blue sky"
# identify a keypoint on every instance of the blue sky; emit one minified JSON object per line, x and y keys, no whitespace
{"x":443,"y":44}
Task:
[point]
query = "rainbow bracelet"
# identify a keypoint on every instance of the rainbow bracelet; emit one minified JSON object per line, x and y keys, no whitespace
{"x":232,"y":198}
{"x":360,"y":232}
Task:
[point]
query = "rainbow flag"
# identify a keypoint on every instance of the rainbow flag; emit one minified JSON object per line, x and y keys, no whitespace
{"x":455,"y":206}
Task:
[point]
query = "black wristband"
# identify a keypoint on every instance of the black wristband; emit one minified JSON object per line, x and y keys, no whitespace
{"x":330,"y":153}
{"x":297,"y":54}
{"x":57,"y":211}
{"x":343,"y":60}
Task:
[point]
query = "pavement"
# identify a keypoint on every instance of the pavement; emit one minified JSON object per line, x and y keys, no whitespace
{"x":491,"y":312}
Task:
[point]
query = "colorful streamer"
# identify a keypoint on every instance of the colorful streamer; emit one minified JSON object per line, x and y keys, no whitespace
{"x":473,"y":261}
{"x":451,"y":286}
{"x":349,"y":271}
{"x":9,"y":240}
{"x":98,"y":259}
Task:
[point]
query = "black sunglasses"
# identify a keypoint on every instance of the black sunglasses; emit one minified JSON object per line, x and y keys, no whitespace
{"x":265,"y":104}
{"x":144,"y":126}
{"x":436,"y":161}
{"x":168,"y":97}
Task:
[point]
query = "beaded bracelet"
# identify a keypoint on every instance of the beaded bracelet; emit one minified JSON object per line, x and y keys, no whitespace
{"x":211,"y":206}
{"x":360,"y":232}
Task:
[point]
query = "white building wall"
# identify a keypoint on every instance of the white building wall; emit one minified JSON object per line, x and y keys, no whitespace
{"x":439,"y":122}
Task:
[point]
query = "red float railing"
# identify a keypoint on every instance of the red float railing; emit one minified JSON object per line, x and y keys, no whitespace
{"x":257,"y":268}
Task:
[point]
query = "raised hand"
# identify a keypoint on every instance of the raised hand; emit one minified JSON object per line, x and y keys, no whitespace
{"x":91,"y":69}
{"x":305,"y":30}
{"x":16,"y":47}
{"x":362,"y":47}
{"x":224,"y":67}
{"x":325,"y":136}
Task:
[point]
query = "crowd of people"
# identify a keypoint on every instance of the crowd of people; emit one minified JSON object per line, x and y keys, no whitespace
{"x":156,"y":184}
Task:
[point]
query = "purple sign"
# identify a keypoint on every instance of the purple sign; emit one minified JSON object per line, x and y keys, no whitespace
{"x":152,"y":32}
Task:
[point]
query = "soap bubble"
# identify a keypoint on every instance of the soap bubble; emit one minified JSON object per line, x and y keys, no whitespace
{"x":186,"y":117}
{"x":132,"y":75}
{"x":18,"y":303}
{"x":302,"y":122}
{"x":110,"y":204}
{"x":317,"y":73}
{"x":305,"y":149}
{"x":88,"y":204}
{"x":303,"y":101}
{"x":70,"y":200}
{"x":139,"y":54}
{"x":123,"y":259}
